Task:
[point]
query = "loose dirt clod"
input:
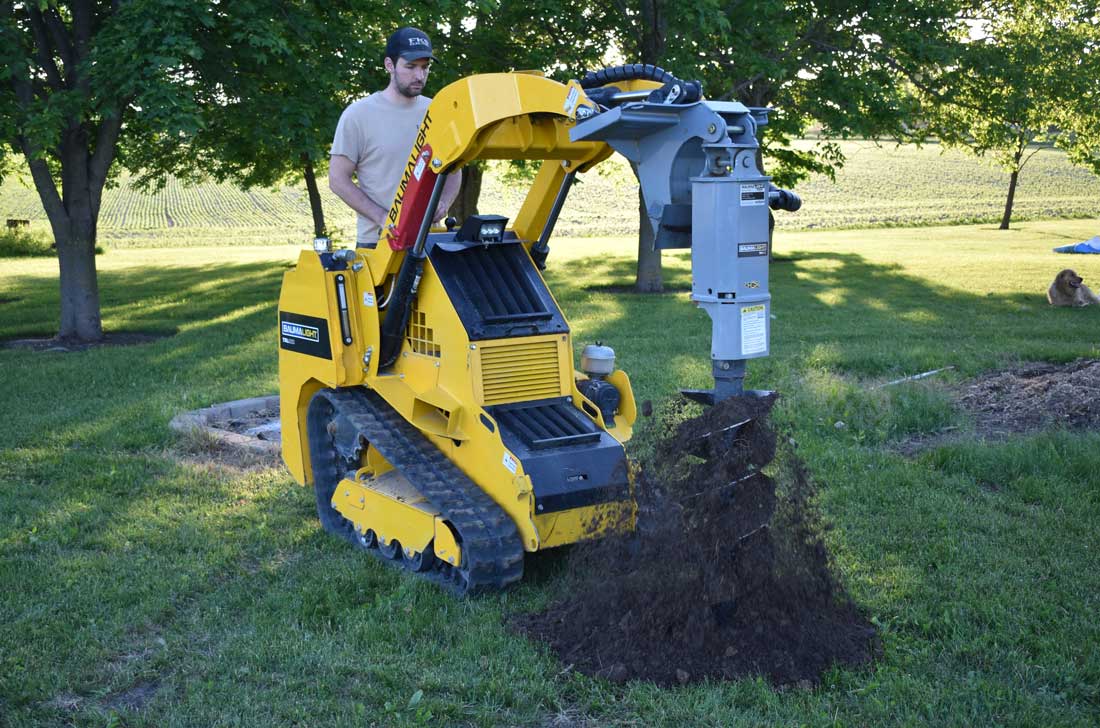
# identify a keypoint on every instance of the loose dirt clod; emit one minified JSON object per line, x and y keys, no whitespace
{"x":725,"y":576}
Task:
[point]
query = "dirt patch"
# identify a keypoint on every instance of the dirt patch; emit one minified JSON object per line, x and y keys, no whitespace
{"x":54,"y":344}
{"x":133,"y":699}
{"x":1025,"y":399}
{"x":262,"y":424}
{"x":726,"y":575}
{"x":1035,"y":396}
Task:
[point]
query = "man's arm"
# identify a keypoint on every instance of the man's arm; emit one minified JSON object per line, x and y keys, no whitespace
{"x":340,"y":171}
{"x":448,"y":195}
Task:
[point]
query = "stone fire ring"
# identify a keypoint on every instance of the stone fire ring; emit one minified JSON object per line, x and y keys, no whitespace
{"x":256,"y":418}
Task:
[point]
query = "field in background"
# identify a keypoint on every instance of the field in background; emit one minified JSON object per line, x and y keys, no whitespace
{"x":879,"y":186}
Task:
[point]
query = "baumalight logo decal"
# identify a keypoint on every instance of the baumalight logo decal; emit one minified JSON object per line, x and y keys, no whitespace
{"x":410,"y":167}
{"x":298,"y":331}
{"x":304,"y":335}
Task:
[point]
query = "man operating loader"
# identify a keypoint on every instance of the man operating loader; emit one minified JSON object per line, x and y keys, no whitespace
{"x":374,"y":135}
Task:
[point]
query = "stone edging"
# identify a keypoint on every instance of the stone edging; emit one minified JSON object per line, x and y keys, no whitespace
{"x":202,"y":419}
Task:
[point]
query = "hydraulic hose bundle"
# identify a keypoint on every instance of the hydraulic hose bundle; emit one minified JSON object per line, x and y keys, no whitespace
{"x":600,"y":87}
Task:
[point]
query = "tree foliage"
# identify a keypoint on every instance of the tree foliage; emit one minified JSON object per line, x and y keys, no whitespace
{"x":838,"y":65}
{"x":251,"y":91}
{"x":248,"y":91}
{"x":1019,"y":82}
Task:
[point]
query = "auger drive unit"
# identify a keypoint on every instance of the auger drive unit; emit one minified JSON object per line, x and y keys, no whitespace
{"x":428,"y":384}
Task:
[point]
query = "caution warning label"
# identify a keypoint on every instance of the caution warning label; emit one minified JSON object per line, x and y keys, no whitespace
{"x":754,"y":329}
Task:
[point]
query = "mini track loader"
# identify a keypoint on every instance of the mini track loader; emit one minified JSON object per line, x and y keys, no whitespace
{"x":427,"y":383}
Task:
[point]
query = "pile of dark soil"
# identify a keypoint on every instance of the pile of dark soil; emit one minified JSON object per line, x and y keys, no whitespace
{"x":726,"y":575}
{"x":1034,"y":396}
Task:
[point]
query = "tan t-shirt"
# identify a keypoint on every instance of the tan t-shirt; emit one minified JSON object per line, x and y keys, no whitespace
{"x":378,"y":136}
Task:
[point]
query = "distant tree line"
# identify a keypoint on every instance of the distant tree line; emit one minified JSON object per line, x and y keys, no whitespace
{"x":250,"y":91}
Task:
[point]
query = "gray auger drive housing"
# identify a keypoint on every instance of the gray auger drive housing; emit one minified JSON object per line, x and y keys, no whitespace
{"x":703,"y":189}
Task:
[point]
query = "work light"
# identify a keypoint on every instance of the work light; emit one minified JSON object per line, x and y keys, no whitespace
{"x":483,"y":229}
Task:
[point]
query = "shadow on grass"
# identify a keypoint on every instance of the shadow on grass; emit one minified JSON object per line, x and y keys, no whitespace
{"x":149,"y":299}
{"x":225,"y":348}
{"x":830,"y":309}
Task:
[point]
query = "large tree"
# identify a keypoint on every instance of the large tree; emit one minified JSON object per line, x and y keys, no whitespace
{"x":1020,"y":82}
{"x":80,"y":81}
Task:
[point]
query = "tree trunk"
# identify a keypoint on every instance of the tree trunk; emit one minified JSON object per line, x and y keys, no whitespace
{"x":466,"y":202}
{"x":75,"y":235}
{"x":319,"y":228}
{"x":84,"y":155}
{"x":651,"y":46}
{"x":649,"y":278}
{"x":80,"y":320}
{"x":1021,"y":147}
{"x":1011,"y":197}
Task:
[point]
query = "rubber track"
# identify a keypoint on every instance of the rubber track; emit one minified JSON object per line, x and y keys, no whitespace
{"x":492,"y":553}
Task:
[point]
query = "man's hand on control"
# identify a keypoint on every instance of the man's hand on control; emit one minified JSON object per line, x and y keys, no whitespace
{"x":450,"y":193}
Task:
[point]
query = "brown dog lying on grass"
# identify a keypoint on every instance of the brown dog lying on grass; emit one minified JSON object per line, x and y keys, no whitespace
{"x":1068,"y":290}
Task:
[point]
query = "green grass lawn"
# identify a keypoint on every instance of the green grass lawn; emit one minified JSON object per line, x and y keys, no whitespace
{"x":880,"y":185}
{"x":144,"y":584}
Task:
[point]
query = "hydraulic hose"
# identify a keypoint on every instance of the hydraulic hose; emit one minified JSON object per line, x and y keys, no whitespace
{"x":629,"y":72}
{"x":780,"y":199}
{"x":599,"y":84}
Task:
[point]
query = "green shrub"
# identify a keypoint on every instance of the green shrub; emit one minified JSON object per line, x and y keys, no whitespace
{"x":21,"y":243}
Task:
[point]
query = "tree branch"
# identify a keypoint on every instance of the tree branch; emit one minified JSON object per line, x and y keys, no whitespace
{"x":40,"y":171}
{"x":60,"y":39}
{"x":44,"y":49}
{"x":736,"y":90}
{"x":1028,"y":157}
{"x":105,"y":142}
{"x":806,"y":40}
{"x":43,"y":182}
{"x":915,"y":79}
{"x":83,"y":15}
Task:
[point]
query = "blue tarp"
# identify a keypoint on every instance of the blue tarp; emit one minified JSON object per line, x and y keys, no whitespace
{"x":1092,"y":245}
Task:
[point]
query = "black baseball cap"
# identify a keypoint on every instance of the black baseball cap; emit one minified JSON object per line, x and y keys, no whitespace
{"x":412,"y":44}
